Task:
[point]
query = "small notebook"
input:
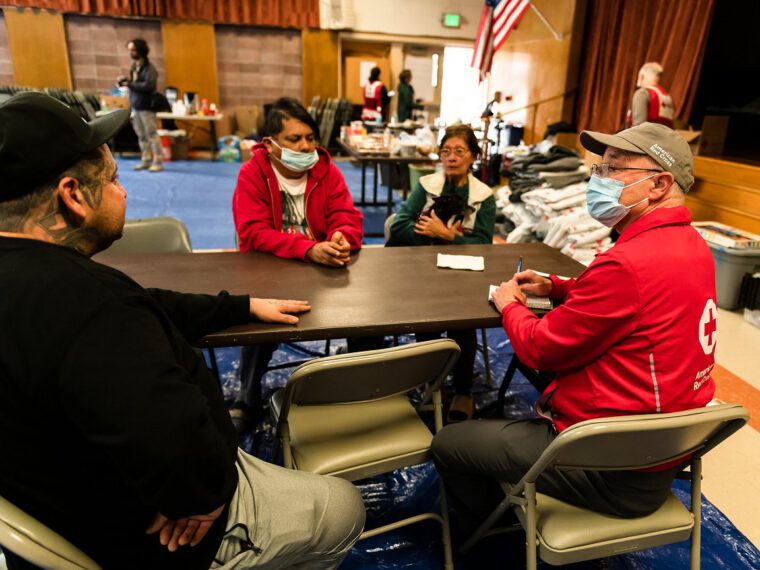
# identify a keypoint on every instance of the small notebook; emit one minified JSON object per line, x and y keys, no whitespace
{"x":540,"y":303}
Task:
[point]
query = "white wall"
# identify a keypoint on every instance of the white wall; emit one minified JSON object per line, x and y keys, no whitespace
{"x":417,"y":17}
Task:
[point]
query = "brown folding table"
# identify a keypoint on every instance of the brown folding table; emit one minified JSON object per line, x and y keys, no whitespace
{"x":382,"y":291}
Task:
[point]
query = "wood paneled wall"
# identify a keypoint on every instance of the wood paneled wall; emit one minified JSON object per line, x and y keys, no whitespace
{"x":320,"y":57}
{"x":539,"y":71}
{"x":37,"y":43}
{"x":726,"y":192}
{"x":190,"y":60}
{"x":190,"y":57}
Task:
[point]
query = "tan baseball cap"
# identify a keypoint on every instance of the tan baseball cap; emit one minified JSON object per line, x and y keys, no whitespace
{"x":662,"y":144}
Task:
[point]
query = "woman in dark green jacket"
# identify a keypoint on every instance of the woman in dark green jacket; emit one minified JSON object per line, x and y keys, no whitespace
{"x":406,"y":101}
{"x":417,"y":224}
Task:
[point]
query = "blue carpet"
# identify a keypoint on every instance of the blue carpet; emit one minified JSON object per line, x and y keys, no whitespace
{"x":200,"y":194}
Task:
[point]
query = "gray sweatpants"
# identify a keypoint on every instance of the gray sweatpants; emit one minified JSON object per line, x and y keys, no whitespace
{"x":280,"y":518}
{"x":144,"y":123}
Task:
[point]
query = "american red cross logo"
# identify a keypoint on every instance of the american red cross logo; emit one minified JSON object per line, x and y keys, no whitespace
{"x":708,"y":325}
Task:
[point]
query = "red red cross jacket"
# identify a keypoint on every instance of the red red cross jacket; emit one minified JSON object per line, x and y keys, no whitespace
{"x":373,"y":100}
{"x":635,"y":333}
{"x":257,"y":208}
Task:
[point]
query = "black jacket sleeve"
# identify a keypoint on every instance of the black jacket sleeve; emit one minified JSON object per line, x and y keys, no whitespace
{"x":198,"y":315}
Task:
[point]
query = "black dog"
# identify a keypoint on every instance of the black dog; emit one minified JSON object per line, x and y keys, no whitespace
{"x":450,"y":208}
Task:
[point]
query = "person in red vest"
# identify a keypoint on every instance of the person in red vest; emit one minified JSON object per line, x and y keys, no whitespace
{"x":650,"y":103}
{"x":375,"y":98}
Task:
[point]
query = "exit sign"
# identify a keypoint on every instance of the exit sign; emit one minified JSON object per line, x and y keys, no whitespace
{"x":452,"y":20}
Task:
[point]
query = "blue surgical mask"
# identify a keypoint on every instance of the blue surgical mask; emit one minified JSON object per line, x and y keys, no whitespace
{"x":603,"y":199}
{"x":296,"y":161}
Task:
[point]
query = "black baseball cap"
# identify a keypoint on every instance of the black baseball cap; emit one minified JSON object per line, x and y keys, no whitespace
{"x":41,"y":137}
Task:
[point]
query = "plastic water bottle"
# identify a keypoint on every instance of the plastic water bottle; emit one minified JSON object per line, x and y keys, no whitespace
{"x":387,"y":137}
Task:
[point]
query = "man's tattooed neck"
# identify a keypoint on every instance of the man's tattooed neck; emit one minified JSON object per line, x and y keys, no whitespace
{"x":55,"y":224}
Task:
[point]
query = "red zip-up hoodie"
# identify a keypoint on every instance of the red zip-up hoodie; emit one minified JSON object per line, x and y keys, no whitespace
{"x":257,"y":208}
{"x":636,"y":332}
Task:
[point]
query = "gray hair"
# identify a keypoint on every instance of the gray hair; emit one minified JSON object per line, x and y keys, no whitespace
{"x":651,"y":69}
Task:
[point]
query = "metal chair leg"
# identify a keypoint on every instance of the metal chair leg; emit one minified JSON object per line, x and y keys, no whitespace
{"x":486,"y":357}
{"x":696,"y":509}
{"x":530,"y":526}
{"x":448,"y":557}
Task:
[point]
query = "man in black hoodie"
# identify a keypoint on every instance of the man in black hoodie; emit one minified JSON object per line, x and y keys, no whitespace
{"x":130,"y":453}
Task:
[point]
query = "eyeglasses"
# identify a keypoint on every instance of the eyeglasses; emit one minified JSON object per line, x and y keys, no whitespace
{"x":459,"y":151}
{"x":604,"y":169}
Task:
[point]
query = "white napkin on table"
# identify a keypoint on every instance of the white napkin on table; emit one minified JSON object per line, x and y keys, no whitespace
{"x":471,"y":262}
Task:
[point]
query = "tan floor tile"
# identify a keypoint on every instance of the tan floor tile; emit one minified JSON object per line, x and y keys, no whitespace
{"x":738,"y":347}
{"x":732,"y":481}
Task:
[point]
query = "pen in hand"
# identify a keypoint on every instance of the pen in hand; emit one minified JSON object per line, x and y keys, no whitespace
{"x":519,"y":264}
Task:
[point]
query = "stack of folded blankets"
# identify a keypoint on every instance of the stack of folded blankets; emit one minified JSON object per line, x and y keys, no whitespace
{"x":546,"y":200}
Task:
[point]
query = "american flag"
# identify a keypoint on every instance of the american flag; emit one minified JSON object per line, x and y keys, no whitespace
{"x":497,"y":20}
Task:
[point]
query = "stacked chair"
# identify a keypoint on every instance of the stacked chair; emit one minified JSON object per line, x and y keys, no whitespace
{"x":330,"y":114}
{"x":84,"y":103}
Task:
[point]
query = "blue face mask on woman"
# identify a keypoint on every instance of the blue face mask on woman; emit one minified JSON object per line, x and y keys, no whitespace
{"x":296,"y":161}
{"x":603,"y":199}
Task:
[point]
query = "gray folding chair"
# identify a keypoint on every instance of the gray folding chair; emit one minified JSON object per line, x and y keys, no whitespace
{"x":28,"y":538}
{"x":349,"y":416}
{"x":561,"y":533}
{"x":163,"y":234}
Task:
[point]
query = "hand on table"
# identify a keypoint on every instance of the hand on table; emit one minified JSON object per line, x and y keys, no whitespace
{"x":277,"y":310}
{"x":432,"y":226}
{"x":180,"y":532}
{"x":334,"y":253}
{"x":534,"y":284}
{"x":508,"y":292}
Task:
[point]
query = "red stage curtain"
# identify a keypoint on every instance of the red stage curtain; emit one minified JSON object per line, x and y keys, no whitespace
{"x":620,"y":36}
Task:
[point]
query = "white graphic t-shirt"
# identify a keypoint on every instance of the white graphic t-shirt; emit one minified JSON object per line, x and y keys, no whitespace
{"x":292,"y":194}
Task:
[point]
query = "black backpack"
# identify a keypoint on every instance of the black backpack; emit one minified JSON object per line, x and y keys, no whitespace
{"x":159,"y":103}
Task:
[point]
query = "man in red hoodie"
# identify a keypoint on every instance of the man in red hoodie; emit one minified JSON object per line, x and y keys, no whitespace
{"x":290,"y":201}
{"x":634,"y":334}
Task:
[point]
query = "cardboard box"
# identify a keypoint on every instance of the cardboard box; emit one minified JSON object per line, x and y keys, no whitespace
{"x":714,"y":129}
{"x":691,"y":137}
{"x":180,"y":148}
{"x":226,"y":125}
{"x":711,"y":140}
{"x":115,"y":102}
{"x":250,"y":119}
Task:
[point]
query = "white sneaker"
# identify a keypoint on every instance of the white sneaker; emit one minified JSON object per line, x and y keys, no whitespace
{"x":142,"y":166}
{"x":156,"y":168}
